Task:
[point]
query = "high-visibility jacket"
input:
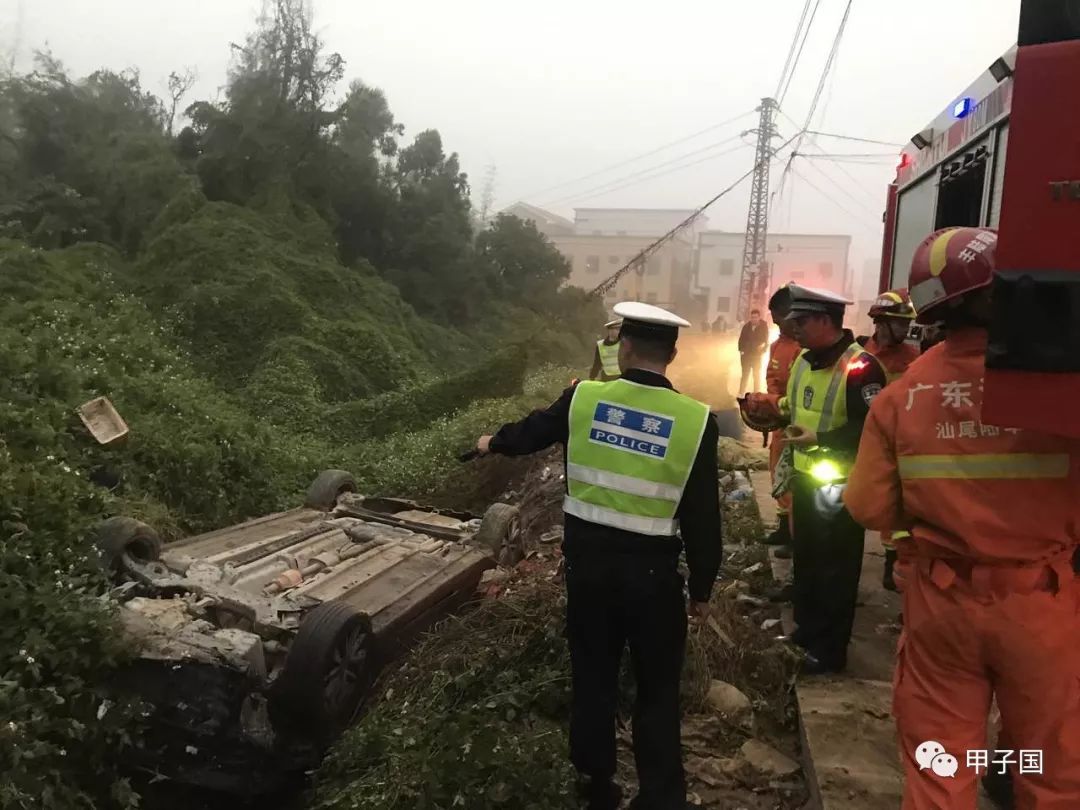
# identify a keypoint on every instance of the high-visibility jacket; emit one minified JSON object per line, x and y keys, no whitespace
{"x":782,"y":355}
{"x":629,"y":454}
{"x":609,"y":358}
{"x":894,"y":359}
{"x":817,"y":399}
{"x":928,"y":463}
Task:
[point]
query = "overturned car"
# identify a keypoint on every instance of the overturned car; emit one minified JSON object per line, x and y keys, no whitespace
{"x":258,"y":643}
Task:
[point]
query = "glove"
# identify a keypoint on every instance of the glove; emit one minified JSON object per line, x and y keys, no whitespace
{"x":887,"y":581}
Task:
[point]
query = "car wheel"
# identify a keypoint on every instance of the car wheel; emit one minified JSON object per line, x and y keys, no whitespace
{"x":325,"y":490}
{"x":327,"y":672}
{"x":500,"y":528}
{"x":123,"y":537}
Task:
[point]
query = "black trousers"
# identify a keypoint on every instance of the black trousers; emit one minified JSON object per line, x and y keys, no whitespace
{"x":614,"y":601}
{"x":827,"y":548}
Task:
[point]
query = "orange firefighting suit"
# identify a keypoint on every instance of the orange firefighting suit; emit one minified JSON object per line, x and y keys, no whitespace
{"x":991,"y":604}
{"x":894,"y":359}
{"x":782,"y":355}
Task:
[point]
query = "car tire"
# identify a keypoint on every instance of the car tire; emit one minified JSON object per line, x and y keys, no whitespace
{"x":325,"y":490}
{"x":118,"y":537}
{"x":327,"y":673}
{"x":499,"y":529}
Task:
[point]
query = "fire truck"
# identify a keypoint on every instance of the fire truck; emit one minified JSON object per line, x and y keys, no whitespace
{"x":1005,"y":153}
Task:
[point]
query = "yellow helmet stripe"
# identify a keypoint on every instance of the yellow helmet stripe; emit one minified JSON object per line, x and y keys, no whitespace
{"x":939,"y":252}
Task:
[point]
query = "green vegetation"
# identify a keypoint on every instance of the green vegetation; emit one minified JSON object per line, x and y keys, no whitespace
{"x":285,"y":284}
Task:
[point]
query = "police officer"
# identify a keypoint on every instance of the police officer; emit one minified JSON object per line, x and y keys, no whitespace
{"x":641,"y":471}
{"x":829,"y":391}
{"x":606,"y":358}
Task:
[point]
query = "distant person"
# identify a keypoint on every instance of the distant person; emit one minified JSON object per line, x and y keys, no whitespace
{"x":753,"y":341}
{"x":719,"y":326}
{"x":605,"y":364}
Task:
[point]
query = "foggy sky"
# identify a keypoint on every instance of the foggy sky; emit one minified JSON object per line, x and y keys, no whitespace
{"x":549,"y":91}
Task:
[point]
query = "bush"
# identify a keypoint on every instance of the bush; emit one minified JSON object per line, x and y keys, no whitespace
{"x":473,"y":719}
{"x":62,"y":739}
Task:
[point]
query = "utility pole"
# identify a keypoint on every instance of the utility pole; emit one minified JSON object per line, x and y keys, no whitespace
{"x":754,"y":283}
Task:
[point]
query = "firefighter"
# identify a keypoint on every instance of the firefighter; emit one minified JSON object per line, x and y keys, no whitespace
{"x":892,"y":315}
{"x":828,"y":395}
{"x":782,"y":355}
{"x":641,"y":472}
{"x":605,"y":364}
{"x":990,"y":596}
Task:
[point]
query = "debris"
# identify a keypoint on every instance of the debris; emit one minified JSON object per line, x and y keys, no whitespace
{"x":716,"y":628}
{"x":191,"y":749}
{"x":552,"y":535}
{"x":770,"y":624}
{"x":738,"y":495}
{"x":712,"y":771}
{"x":737,"y":587}
{"x":494,"y":576}
{"x":730,"y":702}
{"x":753,"y":601}
{"x":766,"y":760}
{"x":753,"y":569}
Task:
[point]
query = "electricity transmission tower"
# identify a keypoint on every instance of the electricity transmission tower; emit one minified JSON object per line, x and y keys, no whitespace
{"x":754,"y":282}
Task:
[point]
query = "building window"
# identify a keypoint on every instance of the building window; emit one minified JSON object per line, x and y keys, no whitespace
{"x":612,"y":259}
{"x":592,"y":264}
{"x":723,"y":304}
{"x":727,"y":267}
{"x":825,"y":268}
{"x":650,"y":298}
{"x":652,"y":267}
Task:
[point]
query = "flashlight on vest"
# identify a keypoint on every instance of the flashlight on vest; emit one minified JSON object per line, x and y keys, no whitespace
{"x":826,"y":471}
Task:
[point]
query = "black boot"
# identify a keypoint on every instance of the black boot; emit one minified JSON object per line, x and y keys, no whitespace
{"x":599,"y":794}
{"x":781,"y":535}
{"x":999,"y":787}
{"x":887,"y":581}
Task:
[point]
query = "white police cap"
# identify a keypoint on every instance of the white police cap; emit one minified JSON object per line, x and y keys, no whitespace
{"x":640,"y":313}
{"x":811,"y":299}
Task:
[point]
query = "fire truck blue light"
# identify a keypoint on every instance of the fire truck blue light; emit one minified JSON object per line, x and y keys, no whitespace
{"x":962,"y":108}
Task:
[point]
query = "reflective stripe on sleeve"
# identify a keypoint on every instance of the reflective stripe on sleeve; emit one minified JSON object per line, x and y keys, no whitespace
{"x":619,"y":520}
{"x":623,"y":483}
{"x":985,"y":465}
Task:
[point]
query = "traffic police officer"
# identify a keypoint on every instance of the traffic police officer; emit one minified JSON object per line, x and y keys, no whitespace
{"x":641,"y":471}
{"x":606,"y":358}
{"x":828,"y":396}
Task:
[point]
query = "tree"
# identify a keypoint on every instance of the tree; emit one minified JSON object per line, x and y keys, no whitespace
{"x":83,"y":159}
{"x":487,"y":197}
{"x":179,"y":85}
{"x":525,"y":264}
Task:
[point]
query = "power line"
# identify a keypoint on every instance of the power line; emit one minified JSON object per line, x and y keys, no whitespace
{"x":640,"y":258}
{"x":861,"y":203}
{"x":603,"y":186}
{"x":852,"y":138}
{"x":835,"y":202}
{"x":791,"y":50}
{"x":636,"y":158}
{"x":845,"y":172}
{"x":798,"y":56}
{"x":663,"y":173}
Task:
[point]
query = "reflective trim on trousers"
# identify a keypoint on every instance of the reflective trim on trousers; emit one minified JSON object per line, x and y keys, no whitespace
{"x":663,"y":527}
{"x":985,"y":465}
{"x":623,"y":483}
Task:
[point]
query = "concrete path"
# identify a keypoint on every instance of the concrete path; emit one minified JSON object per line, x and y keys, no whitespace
{"x":849,"y":741}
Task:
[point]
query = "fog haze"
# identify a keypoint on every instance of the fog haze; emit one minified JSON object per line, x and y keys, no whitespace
{"x":547,"y":93}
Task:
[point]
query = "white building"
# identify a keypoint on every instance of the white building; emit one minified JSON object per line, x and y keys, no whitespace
{"x":816,"y":260}
{"x":697,"y":272}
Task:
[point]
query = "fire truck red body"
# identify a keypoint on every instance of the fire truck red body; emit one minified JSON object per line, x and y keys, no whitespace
{"x":1005,"y":154}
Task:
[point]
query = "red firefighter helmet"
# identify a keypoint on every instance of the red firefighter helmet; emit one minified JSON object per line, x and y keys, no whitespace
{"x":948,"y":264}
{"x":893,"y":304}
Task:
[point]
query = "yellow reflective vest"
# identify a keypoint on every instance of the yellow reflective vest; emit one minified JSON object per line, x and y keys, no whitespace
{"x":609,"y":358}
{"x":629,"y":454}
{"x":817,"y":399}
